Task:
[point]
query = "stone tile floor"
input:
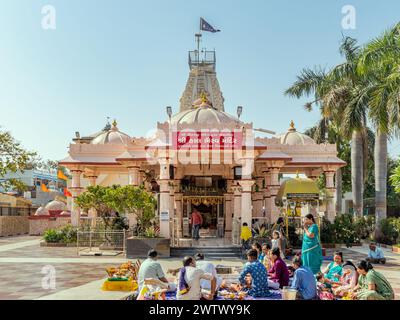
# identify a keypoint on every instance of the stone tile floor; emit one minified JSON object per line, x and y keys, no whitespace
{"x":21,"y":264}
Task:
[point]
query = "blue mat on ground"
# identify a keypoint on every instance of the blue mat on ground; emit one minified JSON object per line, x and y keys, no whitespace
{"x":275,"y":295}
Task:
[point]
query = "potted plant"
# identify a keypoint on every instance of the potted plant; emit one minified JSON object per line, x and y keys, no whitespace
{"x":262,"y":235}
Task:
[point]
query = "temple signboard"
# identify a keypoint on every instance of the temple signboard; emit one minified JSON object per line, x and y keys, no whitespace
{"x":207,"y":140}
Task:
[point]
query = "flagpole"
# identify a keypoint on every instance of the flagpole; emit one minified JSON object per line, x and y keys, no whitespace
{"x":198,"y":36}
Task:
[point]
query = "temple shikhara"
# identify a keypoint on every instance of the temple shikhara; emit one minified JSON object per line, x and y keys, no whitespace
{"x":203,"y":157}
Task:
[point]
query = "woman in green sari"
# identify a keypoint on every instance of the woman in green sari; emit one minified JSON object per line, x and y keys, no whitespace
{"x":311,"y":252}
{"x":334,"y":270}
{"x":372,"y":285}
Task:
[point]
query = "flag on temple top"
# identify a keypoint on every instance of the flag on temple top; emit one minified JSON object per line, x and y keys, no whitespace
{"x":205,"y":26}
{"x":61,"y":175}
{"x":67,"y":193}
{"x":44,"y":188}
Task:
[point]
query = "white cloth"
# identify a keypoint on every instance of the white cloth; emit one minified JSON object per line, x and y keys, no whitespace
{"x":273,"y":285}
{"x":208,"y":267}
{"x":274,"y":243}
{"x":193,"y":277}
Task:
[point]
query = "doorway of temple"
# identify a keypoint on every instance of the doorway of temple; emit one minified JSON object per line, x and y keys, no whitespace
{"x":209,"y":228}
{"x":206,"y":194}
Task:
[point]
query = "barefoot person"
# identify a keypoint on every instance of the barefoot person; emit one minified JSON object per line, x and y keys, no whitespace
{"x":311,"y":252}
{"x":209,"y":268}
{"x":258,"y":274}
{"x":372,"y":285}
{"x":279,"y":273}
{"x":375,"y":254}
{"x":151,"y":269}
{"x":303,"y":281}
{"x":189,"y":282}
{"x":334,"y":270}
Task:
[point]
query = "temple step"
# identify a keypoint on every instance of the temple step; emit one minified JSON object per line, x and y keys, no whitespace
{"x":209,"y":252}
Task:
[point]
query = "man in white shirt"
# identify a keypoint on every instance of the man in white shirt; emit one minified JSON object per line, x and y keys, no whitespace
{"x":207,"y":267}
{"x":151,"y":269}
{"x":192,"y":277}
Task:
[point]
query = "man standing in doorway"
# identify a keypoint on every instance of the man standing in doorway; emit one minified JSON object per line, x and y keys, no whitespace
{"x":196,"y":222}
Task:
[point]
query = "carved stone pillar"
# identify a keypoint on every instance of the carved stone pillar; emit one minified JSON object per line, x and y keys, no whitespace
{"x":228,"y":207}
{"x":274,"y":189}
{"x":76,"y":190}
{"x":330,"y":188}
{"x":246,"y":213}
{"x":133,"y":175}
{"x":164,"y":204}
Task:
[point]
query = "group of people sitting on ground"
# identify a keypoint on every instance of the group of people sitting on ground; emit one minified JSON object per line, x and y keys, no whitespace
{"x":266,"y":270}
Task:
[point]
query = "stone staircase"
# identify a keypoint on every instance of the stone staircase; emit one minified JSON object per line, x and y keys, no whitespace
{"x":210,"y":253}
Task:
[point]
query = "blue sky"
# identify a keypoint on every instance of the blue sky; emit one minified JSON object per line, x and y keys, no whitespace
{"x":128,"y":60}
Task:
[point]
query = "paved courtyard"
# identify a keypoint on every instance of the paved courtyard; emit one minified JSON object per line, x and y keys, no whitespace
{"x":22,"y":262}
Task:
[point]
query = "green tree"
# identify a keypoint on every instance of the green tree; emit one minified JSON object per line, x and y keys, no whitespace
{"x":342,"y":100}
{"x":126,"y":199}
{"x":379,"y":62}
{"x":13,"y":158}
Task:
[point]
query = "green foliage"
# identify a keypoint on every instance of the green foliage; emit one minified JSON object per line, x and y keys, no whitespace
{"x":52,"y":236}
{"x":119,"y":223}
{"x":262,"y":232}
{"x":328,"y":234}
{"x":66,"y":234}
{"x":151,"y":232}
{"x":121,"y":199}
{"x":345,"y":229}
{"x":13,"y":158}
{"x":390,"y":231}
{"x":364,"y":227}
{"x":395,"y":179}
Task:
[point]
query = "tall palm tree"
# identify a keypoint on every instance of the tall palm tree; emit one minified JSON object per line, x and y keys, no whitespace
{"x":340,"y":95}
{"x":380,"y":62}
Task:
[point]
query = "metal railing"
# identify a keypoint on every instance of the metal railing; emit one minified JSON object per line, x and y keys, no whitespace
{"x":98,"y":241}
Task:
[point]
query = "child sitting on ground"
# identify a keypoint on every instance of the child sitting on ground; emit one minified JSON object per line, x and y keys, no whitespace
{"x":324,"y":287}
{"x":347,"y":281}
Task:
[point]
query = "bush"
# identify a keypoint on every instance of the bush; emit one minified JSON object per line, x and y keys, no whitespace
{"x":67,"y":234}
{"x":364,"y":227}
{"x":52,"y":236}
{"x":151,"y":232}
{"x":327,"y":232}
{"x":389,"y":231}
{"x":345,"y":230}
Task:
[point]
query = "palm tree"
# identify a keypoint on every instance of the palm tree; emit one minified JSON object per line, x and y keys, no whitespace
{"x":380,"y":62}
{"x":342,"y":99}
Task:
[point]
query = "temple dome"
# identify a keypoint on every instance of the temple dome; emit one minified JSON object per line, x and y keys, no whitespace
{"x":56,"y":205}
{"x":203,"y":113}
{"x":112,"y":136}
{"x":292,"y":137}
{"x":42,"y":211}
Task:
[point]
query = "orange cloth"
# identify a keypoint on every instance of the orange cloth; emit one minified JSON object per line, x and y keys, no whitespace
{"x":67,"y":193}
{"x":44,"y":188}
{"x":61,"y":175}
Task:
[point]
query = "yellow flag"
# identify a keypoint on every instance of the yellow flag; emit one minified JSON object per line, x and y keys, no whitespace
{"x":44,"y":188}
